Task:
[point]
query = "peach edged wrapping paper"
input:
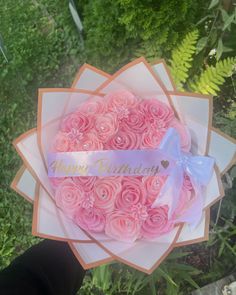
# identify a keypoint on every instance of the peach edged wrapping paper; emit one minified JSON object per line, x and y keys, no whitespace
{"x":31,"y":181}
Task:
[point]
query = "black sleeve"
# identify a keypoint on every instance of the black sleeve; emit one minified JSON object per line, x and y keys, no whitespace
{"x":48,"y":268}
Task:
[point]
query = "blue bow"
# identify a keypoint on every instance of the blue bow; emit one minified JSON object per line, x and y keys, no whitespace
{"x":198,"y":168}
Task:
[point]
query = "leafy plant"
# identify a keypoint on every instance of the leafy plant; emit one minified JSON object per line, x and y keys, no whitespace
{"x":182,"y":57}
{"x":214,"y":76}
{"x":209,"y":80}
{"x":120,"y":279}
{"x":116,"y":31}
{"x":218,"y":29}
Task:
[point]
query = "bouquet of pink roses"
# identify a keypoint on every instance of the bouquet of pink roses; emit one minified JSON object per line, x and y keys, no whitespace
{"x":123,"y":167}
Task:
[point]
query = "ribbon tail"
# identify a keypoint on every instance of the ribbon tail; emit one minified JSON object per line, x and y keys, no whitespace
{"x":193,"y":214}
{"x":200,"y":168}
{"x":170,"y":192}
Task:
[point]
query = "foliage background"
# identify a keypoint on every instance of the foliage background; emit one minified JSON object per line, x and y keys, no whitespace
{"x":43,"y":49}
{"x":116,"y":31}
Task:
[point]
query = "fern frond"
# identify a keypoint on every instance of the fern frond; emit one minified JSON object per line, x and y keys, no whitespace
{"x":182,"y":57}
{"x":214,"y":76}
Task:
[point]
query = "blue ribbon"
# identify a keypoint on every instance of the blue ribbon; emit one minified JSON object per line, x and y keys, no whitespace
{"x":198,"y":168}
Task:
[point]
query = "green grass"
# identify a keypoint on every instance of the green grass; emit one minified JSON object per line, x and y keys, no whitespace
{"x":15,"y":212}
{"x":43,"y":50}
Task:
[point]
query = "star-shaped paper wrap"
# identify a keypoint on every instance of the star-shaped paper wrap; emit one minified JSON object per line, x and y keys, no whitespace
{"x":31,"y":181}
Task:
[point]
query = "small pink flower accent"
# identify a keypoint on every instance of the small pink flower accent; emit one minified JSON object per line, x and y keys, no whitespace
{"x":90,"y":219}
{"x":68,"y":196}
{"x":121,"y":112}
{"x":75,"y":137}
{"x":159,"y":125}
{"x":87,"y":201}
{"x":156,"y":223}
{"x":122,"y":226}
{"x":133,"y":192}
{"x":105,"y":191}
{"x":106,"y":126}
{"x":120,"y":98}
{"x":75,"y":134}
{"x":139,"y":212}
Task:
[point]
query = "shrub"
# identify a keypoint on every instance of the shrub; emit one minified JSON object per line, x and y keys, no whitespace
{"x":115,"y":30}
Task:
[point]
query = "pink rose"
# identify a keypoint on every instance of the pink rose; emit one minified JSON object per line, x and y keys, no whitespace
{"x":93,"y":106}
{"x":184,"y":202}
{"x":90,"y":142}
{"x":56,"y":181}
{"x":76,"y":122}
{"x":90,"y":219}
{"x":157,"y":223}
{"x":61,"y":142}
{"x":86,"y":182}
{"x":151,"y":139}
{"x":132,"y":193}
{"x":122,"y":226}
{"x":185,"y":138}
{"x":123,"y":140}
{"x":105,"y":192}
{"x":106,"y":126}
{"x":120,"y":99}
{"x":136,"y":122}
{"x":68,"y":196}
{"x":153,"y":185}
{"x":156,"y":110}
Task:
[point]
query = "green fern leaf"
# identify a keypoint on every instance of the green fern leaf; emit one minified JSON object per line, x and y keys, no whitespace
{"x":213,"y":77}
{"x":181,"y":59}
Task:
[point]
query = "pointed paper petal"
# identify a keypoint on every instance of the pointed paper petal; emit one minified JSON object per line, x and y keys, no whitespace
{"x":196,"y":112}
{"x":89,"y":78}
{"x":27,"y":147}
{"x":198,"y":234}
{"x":138,"y":77}
{"x":90,"y":255}
{"x":143,"y":255}
{"x":214,"y":190}
{"x":24,"y":184}
{"x":223,"y":149}
{"x":161,"y":70}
